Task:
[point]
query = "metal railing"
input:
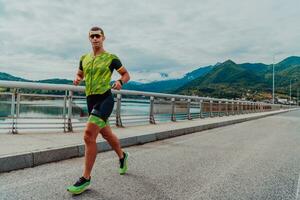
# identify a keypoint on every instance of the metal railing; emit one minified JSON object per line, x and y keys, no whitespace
{"x":18,"y":108}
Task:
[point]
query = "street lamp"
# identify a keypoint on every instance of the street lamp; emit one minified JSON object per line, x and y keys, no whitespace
{"x":290,"y":92}
{"x":297,"y":87}
{"x":273,"y":91}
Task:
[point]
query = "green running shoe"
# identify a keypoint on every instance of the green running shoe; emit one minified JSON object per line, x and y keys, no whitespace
{"x":80,"y":186}
{"x":123,"y":163}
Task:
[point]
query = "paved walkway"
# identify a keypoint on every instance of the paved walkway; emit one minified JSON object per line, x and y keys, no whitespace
{"x":31,"y":149}
{"x":257,"y":160}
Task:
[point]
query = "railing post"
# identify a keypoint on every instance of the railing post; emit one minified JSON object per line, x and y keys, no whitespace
{"x":238,"y":108}
{"x":13,"y":109}
{"x":151,"y":113}
{"x":18,"y":105}
{"x":220,"y":108}
{"x":173,"y":118}
{"x":242,"y":107}
{"x":232,"y":108}
{"x":247,"y":106}
{"x":226,"y":108}
{"x":118,"y":111}
{"x":70,"y":99}
{"x":201,"y":108}
{"x":65,"y":111}
{"x":210,"y":108}
{"x":189,"y":109}
{"x":248,"y":110}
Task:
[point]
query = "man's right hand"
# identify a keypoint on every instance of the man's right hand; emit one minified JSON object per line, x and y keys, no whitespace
{"x":77,"y":80}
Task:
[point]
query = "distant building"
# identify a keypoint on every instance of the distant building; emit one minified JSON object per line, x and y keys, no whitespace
{"x":282,"y":101}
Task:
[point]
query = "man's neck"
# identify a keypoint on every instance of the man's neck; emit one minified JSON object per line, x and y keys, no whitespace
{"x":98,"y":51}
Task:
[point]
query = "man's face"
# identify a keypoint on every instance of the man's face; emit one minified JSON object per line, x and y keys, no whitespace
{"x":96,"y":38}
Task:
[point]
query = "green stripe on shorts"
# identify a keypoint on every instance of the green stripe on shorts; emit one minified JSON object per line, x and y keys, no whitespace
{"x":97,"y":120}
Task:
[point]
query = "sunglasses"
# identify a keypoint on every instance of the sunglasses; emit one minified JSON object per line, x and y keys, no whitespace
{"x":95,"y":35}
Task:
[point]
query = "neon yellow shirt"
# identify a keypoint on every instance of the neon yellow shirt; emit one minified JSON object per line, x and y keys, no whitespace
{"x":98,"y":70}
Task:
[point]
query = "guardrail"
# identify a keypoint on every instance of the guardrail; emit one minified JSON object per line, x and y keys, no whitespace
{"x":148,"y":107}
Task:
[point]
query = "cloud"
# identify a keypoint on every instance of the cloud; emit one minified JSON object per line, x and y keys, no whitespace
{"x":45,"y":39}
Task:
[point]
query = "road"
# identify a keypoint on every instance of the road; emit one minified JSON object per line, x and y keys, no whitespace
{"x":257,"y":159}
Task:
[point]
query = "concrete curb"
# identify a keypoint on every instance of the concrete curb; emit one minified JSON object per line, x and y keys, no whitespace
{"x":32,"y":159}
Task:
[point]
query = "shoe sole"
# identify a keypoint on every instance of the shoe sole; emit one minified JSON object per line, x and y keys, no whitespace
{"x":80,"y":191}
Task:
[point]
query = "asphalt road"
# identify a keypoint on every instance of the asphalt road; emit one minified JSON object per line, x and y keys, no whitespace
{"x":257,"y":159}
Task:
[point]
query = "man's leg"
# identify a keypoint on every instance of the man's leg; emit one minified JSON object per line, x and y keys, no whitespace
{"x":90,"y":136}
{"x":114,"y":142}
{"x":112,"y":139}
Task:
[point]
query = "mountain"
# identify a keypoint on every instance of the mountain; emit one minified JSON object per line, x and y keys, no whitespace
{"x":227,"y":72}
{"x":198,"y":72}
{"x":255,"y":67}
{"x":8,"y":77}
{"x":156,"y":86}
{"x":227,"y":79}
{"x":168,"y":86}
{"x":250,"y":81}
{"x":224,"y":80}
{"x":289,"y":61}
{"x":56,"y":81}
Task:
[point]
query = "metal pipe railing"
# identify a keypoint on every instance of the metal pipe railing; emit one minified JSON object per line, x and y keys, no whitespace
{"x":180,"y":105}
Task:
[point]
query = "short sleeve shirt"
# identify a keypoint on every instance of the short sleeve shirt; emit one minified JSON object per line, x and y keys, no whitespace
{"x":98,"y":70}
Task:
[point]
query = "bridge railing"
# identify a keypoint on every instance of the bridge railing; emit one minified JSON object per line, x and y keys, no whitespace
{"x":21,"y":108}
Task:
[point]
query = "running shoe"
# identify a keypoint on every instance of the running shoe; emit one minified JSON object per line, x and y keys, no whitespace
{"x":123,"y":163}
{"x":80,"y":186}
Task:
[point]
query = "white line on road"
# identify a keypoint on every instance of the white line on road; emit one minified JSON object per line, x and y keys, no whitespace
{"x":298,"y":189}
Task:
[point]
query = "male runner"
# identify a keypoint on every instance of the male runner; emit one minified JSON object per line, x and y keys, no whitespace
{"x":97,"y":68}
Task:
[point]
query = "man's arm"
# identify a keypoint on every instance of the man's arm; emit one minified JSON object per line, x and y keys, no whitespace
{"x":124,"y":78}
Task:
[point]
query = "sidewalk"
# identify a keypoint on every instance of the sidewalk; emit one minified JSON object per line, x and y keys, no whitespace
{"x":32,"y":149}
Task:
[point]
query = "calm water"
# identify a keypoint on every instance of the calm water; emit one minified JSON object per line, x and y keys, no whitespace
{"x":50,"y":113}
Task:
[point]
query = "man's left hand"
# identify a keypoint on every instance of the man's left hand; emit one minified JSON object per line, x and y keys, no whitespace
{"x":117,"y":85}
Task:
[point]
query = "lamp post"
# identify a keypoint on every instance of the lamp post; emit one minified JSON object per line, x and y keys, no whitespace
{"x":297,"y":98}
{"x":290,"y":92}
{"x":273,"y":91}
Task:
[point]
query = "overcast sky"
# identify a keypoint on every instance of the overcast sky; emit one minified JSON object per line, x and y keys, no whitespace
{"x":42,"y":39}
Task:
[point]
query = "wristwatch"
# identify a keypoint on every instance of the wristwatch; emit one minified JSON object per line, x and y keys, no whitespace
{"x":121,"y":81}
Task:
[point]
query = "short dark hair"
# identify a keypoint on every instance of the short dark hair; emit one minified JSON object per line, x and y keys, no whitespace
{"x":96,"y":28}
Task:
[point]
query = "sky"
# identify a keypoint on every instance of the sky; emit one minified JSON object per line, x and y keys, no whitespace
{"x":42,"y":39}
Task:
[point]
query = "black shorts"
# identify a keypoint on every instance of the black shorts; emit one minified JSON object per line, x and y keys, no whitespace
{"x":100,"y":105}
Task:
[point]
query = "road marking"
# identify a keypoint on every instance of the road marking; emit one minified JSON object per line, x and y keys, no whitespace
{"x":298,"y":189}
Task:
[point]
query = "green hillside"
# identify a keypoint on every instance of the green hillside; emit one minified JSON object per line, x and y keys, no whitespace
{"x":250,"y":81}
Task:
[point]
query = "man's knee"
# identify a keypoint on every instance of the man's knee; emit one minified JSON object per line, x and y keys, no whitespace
{"x":89,"y":136}
{"x":105,"y":136}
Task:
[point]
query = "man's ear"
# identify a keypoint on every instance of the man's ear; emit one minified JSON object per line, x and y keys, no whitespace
{"x":103,"y":37}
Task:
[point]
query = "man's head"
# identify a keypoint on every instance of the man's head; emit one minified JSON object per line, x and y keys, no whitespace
{"x":96,"y":36}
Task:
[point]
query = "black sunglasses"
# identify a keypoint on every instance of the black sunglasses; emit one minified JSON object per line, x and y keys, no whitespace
{"x":95,"y":35}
